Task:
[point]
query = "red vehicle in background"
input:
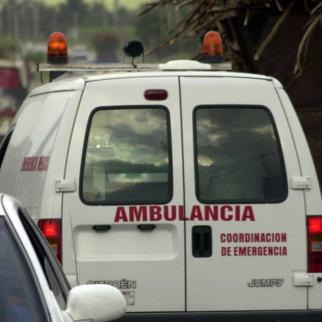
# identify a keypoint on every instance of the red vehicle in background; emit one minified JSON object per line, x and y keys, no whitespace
{"x":14,"y":84}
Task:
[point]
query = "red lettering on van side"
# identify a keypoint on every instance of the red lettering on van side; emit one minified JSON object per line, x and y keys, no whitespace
{"x":226,"y":213}
{"x":170,"y":215}
{"x":29,"y":164}
{"x":43,"y":164}
{"x":120,"y":215}
{"x":182,"y":215}
{"x":237,"y":213}
{"x":35,"y":163}
{"x":248,"y":214}
{"x":155,"y":213}
{"x":196,"y":213}
{"x":138,"y":213}
{"x":211,"y":211}
{"x":177,"y":212}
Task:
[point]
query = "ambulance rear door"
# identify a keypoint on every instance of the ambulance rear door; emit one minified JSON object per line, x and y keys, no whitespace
{"x":125,"y":158}
{"x":245,"y":225}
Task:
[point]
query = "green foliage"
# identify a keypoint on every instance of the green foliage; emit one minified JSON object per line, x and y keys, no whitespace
{"x":35,"y":57}
{"x":8,"y":46}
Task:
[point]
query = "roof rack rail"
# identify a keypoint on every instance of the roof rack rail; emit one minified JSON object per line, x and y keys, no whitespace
{"x":116,"y":67}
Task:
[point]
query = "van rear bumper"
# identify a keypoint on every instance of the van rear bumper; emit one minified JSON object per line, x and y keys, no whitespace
{"x":245,"y":316}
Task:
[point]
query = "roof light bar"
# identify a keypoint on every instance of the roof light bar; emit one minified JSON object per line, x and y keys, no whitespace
{"x":57,"y":52}
{"x":212,"y":48}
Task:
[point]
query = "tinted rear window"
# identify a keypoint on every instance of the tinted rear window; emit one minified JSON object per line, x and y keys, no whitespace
{"x":127,"y":157}
{"x":238,"y":155}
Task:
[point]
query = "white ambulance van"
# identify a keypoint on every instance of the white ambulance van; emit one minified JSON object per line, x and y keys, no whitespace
{"x":191,"y":190}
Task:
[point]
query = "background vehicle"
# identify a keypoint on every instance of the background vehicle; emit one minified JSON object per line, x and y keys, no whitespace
{"x":14,"y":85}
{"x":179,"y":177}
{"x":33,"y":287}
{"x":15,"y":78}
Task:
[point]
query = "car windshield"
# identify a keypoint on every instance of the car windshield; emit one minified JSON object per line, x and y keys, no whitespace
{"x":19,"y":300}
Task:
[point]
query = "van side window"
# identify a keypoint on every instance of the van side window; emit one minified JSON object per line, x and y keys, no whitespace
{"x":127,"y":157}
{"x":238,"y":155}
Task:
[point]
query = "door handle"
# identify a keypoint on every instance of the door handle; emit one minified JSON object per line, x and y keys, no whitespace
{"x":201,"y":241}
{"x":146,"y":227}
{"x":101,"y":228}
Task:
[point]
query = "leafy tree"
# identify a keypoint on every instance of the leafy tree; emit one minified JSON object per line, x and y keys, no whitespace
{"x":236,"y":19}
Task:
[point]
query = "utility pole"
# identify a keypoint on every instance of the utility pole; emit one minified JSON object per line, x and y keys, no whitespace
{"x":15,"y":20}
{"x":35,"y":20}
{"x":104,"y":22}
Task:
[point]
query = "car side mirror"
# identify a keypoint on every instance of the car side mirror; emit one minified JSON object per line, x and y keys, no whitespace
{"x":97,"y":303}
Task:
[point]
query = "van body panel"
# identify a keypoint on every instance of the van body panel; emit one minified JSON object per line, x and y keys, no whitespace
{"x":178,"y":73}
{"x":67,"y":103}
{"x":313,"y":203}
{"x":313,"y":194}
{"x":60,"y":85}
{"x":19,"y":146}
{"x":153,"y":202}
{"x":37,"y":155}
{"x":109,"y":246}
{"x":51,"y":205}
{"x":221,"y":276}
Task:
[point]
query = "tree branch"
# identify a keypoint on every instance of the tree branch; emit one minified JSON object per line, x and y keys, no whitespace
{"x":273,"y":32}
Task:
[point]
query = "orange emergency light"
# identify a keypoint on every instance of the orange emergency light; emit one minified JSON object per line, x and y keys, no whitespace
{"x":212,"y":48}
{"x":57,"y":52}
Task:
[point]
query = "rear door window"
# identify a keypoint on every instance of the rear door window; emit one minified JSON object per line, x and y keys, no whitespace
{"x":238,"y":155}
{"x":127,"y":157}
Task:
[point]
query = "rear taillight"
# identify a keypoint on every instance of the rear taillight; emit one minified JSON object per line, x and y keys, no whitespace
{"x":51,"y":228}
{"x":314,"y":231}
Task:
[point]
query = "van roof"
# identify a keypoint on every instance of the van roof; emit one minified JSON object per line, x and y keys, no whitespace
{"x":73,"y":81}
